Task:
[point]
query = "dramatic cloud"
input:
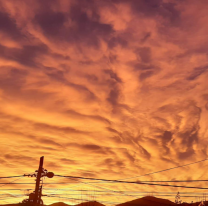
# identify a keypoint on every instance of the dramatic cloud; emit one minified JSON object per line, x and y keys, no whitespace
{"x":104,"y":88}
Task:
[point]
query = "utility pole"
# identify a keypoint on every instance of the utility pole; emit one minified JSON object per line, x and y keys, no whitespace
{"x":35,"y":196}
{"x":38,"y":188}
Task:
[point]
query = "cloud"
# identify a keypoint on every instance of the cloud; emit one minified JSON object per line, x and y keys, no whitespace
{"x":74,"y":26}
{"x":197,"y":72}
{"x":92,"y":148}
{"x":67,"y":161}
{"x":9,"y":26}
{"x":26,"y":56}
{"x":109,"y":89}
{"x":49,"y":142}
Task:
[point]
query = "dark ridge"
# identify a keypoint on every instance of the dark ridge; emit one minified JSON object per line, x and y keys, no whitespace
{"x":148,"y":201}
{"x":90,"y":203}
{"x":144,"y":201}
{"x":59,"y":204}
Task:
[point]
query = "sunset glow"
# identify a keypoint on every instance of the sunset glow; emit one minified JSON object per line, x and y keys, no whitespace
{"x":107,"y":89}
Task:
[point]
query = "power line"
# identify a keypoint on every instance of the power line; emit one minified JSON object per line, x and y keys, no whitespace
{"x":178,"y":181}
{"x":139,"y":182}
{"x":149,"y":182}
{"x":9,"y":194}
{"x":135,"y":195}
{"x":187,"y":181}
{"x":11,"y":176}
{"x":12,"y":197}
{"x":128,"y":191}
{"x":112,"y":181}
{"x":151,"y":173}
{"x":107,"y":189}
{"x":157,"y":172}
{"x":107,"y":180}
{"x":21,"y":183}
{"x":12,"y":182}
{"x":15,"y":189}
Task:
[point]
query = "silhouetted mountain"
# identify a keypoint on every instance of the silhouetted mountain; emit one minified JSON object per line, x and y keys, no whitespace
{"x":144,"y":201}
{"x":154,"y":201}
{"x":148,"y":201}
{"x":59,"y":204}
{"x":90,"y":203}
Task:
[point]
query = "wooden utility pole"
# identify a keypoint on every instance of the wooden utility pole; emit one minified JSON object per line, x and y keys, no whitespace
{"x":38,"y":188}
{"x":35,"y":196}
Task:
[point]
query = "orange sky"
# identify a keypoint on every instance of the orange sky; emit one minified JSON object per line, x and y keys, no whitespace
{"x":104,"y":88}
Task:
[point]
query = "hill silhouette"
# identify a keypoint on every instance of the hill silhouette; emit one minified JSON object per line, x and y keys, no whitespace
{"x":90,"y":203}
{"x":148,"y":201}
{"x":59,"y":204}
{"x":144,"y":201}
{"x":154,"y":201}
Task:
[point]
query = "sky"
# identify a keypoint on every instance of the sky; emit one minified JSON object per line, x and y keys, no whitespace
{"x":104,"y":89}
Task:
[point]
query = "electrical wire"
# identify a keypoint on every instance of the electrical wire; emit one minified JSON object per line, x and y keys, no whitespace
{"x":107,"y":189}
{"x":12,"y":182}
{"x":16,"y":189}
{"x":159,"y":195}
{"x":149,"y":182}
{"x":178,"y":181}
{"x":138,"y":182}
{"x":116,"y":181}
{"x":162,"y":192}
{"x":21,"y":183}
{"x":11,"y":176}
{"x":151,"y":173}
